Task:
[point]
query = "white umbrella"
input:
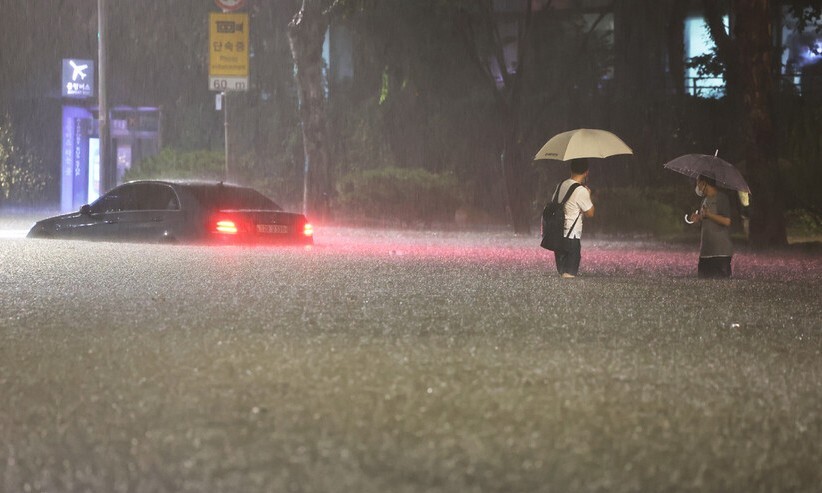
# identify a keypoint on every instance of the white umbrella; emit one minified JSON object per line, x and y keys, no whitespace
{"x":583,"y":143}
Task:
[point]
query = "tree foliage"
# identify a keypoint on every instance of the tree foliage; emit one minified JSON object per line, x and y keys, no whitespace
{"x":426,"y":90}
{"x":745,"y":56}
{"x":23,"y":179}
{"x":467,"y":88}
{"x":158,"y":53}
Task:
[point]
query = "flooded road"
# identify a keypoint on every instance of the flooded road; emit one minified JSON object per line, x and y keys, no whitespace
{"x":405,"y":361}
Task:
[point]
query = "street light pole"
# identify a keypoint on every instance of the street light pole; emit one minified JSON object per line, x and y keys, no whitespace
{"x":108,"y":173}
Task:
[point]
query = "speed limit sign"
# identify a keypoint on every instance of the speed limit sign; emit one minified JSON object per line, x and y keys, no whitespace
{"x":229,"y":5}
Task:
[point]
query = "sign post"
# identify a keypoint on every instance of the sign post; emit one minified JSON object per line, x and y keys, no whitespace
{"x":228,"y":52}
{"x":228,"y":57}
{"x":108,"y":168}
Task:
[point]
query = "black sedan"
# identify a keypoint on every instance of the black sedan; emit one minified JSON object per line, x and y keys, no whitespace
{"x":180,"y":211}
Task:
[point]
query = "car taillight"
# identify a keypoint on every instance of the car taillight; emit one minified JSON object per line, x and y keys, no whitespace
{"x":308,"y":229}
{"x":226,"y":226}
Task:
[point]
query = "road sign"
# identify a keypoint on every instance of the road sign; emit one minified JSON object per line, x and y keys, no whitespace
{"x":78,"y":78}
{"x":228,"y":83}
{"x":228,"y":52}
{"x":230,"y":5}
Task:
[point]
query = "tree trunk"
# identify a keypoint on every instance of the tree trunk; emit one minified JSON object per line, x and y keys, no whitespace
{"x":507,"y":101}
{"x":306,"y":33}
{"x":641,"y":96}
{"x":676,"y":46}
{"x":516,"y":192}
{"x":749,"y":87}
{"x":754,"y":40}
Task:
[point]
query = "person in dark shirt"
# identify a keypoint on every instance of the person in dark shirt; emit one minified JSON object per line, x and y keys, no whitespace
{"x":714,"y":215}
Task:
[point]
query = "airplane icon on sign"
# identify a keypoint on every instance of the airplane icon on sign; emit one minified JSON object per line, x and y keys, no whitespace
{"x":79,"y":70}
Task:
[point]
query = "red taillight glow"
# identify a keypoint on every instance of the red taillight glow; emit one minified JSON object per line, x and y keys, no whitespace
{"x":226,"y":226}
{"x":308,"y":229}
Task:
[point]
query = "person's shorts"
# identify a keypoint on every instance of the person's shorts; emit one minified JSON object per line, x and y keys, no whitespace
{"x":714,"y":267}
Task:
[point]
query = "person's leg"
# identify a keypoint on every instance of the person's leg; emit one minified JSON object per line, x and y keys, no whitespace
{"x":702,"y":269}
{"x":574,"y":257}
{"x":723,"y":266}
{"x":560,"y":257}
{"x":714,"y":267}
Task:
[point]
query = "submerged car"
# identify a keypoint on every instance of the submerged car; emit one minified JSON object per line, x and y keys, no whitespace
{"x":180,"y":211}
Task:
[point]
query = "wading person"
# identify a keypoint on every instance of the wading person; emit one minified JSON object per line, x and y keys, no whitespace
{"x":715,"y":249}
{"x":578,"y":205}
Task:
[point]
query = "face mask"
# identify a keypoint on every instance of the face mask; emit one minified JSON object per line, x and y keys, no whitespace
{"x":700,"y":192}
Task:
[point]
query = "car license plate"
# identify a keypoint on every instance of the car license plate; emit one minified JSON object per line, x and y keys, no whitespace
{"x":272,"y":228}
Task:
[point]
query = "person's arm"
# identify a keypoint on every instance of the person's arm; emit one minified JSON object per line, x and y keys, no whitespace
{"x":722,"y":216}
{"x":717,"y":218}
{"x":585,"y":200}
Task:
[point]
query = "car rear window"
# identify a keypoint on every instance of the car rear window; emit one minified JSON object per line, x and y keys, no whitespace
{"x":233,"y":198}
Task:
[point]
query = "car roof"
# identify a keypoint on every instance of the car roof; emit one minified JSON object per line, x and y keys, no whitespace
{"x":218,"y":193}
{"x":189,"y":183}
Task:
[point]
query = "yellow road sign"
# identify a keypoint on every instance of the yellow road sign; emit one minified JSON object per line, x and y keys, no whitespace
{"x":228,"y":51}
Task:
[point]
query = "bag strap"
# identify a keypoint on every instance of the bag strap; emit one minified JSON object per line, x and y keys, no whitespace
{"x":569,"y":192}
{"x":572,"y":227}
{"x":568,"y":196}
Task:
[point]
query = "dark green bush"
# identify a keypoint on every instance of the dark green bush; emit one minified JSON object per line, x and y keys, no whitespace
{"x":803,"y":224}
{"x":399,"y":194}
{"x":635,"y":212}
{"x":174,"y":164}
{"x":208,"y":165}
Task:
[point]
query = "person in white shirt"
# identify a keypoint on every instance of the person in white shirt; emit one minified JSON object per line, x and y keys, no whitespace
{"x":579,"y":205}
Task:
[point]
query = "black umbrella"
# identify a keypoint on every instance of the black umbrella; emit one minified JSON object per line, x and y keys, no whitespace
{"x":723,"y":172}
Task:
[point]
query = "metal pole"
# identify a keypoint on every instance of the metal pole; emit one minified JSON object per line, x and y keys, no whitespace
{"x":306,"y":161}
{"x":108,"y":173}
{"x":225,"y":125}
{"x":306,"y":167}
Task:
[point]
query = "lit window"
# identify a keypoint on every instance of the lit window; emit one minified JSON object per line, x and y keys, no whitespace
{"x":802,"y":51}
{"x":698,"y":43}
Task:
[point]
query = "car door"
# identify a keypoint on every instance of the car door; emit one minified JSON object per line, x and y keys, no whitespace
{"x":152,"y":215}
{"x":100,"y":220}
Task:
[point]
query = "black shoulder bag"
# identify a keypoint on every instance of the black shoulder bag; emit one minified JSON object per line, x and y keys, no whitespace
{"x":553,"y":221}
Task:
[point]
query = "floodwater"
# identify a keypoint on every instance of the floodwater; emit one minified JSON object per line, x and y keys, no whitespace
{"x":405,"y":361}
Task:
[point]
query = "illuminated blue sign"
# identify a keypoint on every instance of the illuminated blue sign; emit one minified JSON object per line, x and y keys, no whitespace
{"x":74,"y":191}
{"x":78,"y":78}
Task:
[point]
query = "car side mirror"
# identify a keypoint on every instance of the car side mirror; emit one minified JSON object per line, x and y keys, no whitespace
{"x":85,"y":210}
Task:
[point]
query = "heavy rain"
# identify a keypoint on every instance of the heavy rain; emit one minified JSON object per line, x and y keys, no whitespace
{"x":423,"y":340}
